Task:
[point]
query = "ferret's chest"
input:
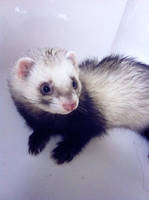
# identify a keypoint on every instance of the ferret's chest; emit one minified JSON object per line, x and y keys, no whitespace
{"x":65,"y":124}
{"x":76,"y":123}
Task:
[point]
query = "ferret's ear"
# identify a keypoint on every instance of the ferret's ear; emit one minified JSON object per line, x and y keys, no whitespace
{"x":24,"y":66}
{"x":71,"y":55}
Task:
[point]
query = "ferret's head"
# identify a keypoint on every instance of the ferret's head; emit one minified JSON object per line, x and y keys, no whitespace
{"x":49,"y":81}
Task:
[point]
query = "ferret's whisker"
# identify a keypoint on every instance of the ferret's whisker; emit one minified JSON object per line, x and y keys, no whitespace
{"x":81,"y":109}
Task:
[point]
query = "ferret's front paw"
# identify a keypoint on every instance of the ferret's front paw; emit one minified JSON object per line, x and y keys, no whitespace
{"x":35,"y":144}
{"x":64,"y":152}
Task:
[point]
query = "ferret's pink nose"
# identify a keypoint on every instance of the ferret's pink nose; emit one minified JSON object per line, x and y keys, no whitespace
{"x":69,"y":106}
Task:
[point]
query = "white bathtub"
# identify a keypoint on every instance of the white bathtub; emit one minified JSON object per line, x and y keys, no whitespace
{"x":111,"y":168}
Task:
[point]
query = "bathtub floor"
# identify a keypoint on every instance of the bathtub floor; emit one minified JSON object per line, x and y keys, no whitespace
{"x":114,"y":167}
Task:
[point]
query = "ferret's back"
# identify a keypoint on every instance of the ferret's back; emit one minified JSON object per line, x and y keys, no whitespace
{"x":120,"y":87}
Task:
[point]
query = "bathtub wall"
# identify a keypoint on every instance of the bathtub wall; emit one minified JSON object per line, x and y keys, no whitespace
{"x":111,"y":168}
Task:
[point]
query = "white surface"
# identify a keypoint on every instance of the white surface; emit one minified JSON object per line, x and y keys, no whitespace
{"x":132,"y":36}
{"x":111,"y":168}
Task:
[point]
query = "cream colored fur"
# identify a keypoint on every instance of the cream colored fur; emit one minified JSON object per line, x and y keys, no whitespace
{"x":122,"y":94}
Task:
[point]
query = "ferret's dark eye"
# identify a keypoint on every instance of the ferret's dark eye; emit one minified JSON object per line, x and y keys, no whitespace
{"x":45,"y":89}
{"x":74,"y":84}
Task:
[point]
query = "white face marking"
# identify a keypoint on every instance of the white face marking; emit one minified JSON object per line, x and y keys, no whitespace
{"x":57,"y":107}
{"x":64,"y":98}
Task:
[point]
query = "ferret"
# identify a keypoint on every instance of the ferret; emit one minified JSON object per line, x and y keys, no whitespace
{"x":57,"y":96}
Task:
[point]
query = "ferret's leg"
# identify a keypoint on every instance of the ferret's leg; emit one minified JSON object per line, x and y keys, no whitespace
{"x":70,"y":146}
{"x":145,"y":133}
{"x":66,"y":150}
{"x":37,"y":141}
